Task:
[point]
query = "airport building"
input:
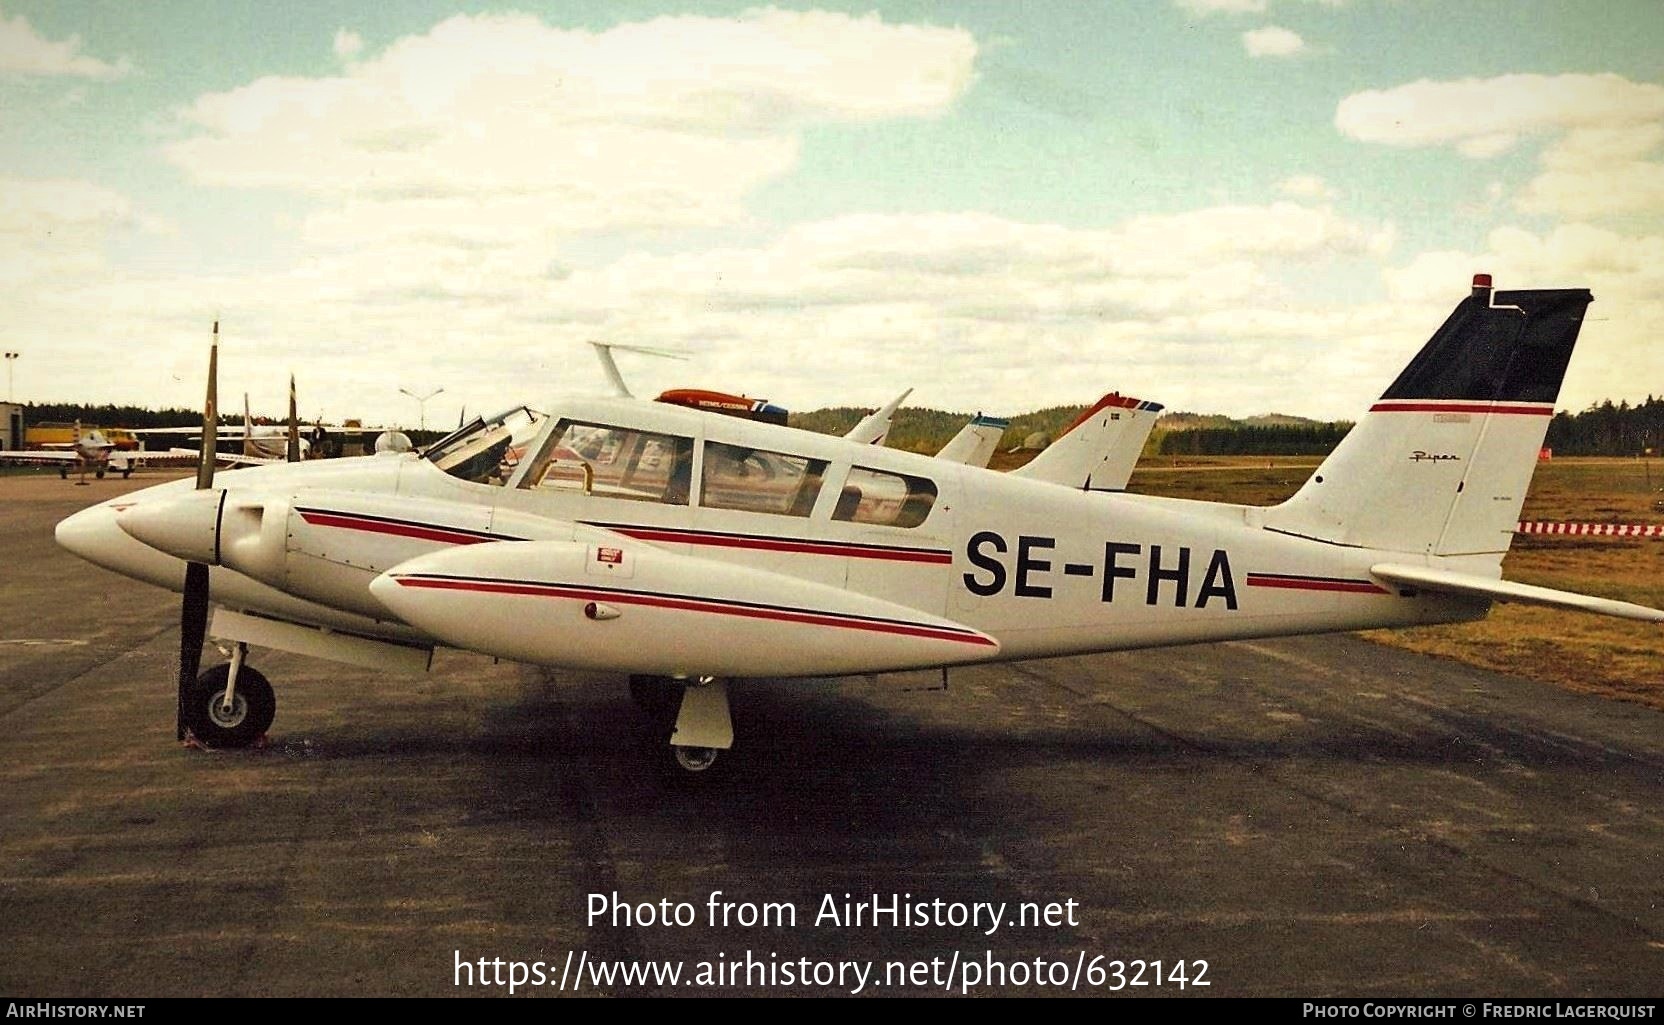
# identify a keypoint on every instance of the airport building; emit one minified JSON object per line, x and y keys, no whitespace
{"x":11,"y":425}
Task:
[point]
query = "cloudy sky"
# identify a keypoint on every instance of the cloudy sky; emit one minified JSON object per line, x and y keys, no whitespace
{"x":1223,"y":205}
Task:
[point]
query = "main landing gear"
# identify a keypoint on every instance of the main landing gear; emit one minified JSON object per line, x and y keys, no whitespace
{"x":695,"y":710}
{"x":231,"y":705}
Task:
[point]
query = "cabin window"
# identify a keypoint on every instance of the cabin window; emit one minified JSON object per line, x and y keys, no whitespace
{"x":751,"y":480}
{"x":615,"y":462}
{"x":885,"y":499}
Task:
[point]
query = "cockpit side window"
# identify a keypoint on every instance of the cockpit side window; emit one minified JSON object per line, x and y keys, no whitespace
{"x":885,"y":499}
{"x":751,"y":480}
{"x":614,"y":462}
{"x":487,"y":451}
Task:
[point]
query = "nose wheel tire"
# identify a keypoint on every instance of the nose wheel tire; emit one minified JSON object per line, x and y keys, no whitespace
{"x":695,"y":759}
{"x":253,"y":706}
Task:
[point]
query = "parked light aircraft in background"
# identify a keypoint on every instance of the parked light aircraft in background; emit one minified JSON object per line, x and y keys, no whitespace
{"x":690,"y":549}
{"x":262,"y":444}
{"x":92,"y":450}
{"x":873,"y":428}
{"x":976,"y":442}
{"x":1099,"y":450}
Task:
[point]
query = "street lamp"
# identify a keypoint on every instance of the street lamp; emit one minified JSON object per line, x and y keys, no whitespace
{"x":11,"y":358}
{"x":421,"y":404}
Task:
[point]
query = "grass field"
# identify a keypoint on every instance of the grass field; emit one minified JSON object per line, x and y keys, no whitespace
{"x":1581,"y":652}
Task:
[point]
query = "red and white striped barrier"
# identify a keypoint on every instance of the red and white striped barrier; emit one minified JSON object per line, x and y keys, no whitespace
{"x":1587,"y":529}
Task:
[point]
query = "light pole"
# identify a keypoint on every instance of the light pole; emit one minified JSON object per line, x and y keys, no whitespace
{"x":11,"y":358}
{"x":421,"y":404}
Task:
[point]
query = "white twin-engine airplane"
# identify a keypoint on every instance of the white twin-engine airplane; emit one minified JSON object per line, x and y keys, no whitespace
{"x":689,"y":548}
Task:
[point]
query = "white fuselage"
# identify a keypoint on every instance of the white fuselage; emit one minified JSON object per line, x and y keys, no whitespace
{"x":1000,"y":568}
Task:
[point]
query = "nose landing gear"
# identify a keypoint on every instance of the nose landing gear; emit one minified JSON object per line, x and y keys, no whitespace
{"x":215,"y":723}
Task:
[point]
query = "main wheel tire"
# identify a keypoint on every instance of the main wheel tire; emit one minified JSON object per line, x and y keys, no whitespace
{"x":252,"y":708}
{"x":659,"y":696}
{"x":63,"y":474}
{"x":99,"y":474}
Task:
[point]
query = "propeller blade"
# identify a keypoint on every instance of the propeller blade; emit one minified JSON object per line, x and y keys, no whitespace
{"x":193,"y":609}
{"x":210,"y":417}
{"x":193,"y":629}
{"x":293,"y":452}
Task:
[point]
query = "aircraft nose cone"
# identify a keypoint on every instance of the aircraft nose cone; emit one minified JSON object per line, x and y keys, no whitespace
{"x":89,"y":532}
{"x":187,"y":527}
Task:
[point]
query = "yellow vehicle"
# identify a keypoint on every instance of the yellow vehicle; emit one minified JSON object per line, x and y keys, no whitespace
{"x":62,"y":435}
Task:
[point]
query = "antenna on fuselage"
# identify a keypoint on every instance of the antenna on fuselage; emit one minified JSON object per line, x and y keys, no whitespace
{"x":603,"y":351}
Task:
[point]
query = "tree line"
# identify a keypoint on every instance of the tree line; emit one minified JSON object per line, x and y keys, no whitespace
{"x":1609,"y":430}
{"x":1269,"y":440}
{"x":116,"y":416}
{"x":1605,"y":429}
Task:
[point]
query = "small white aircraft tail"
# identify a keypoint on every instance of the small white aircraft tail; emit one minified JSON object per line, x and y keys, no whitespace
{"x":1441,"y":463}
{"x":976,"y":442}
{"x":875,"y":426}
{"x":1099,"y":450}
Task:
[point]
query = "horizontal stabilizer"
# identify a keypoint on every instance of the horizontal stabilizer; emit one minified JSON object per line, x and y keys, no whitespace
{"x":1507,"y":591}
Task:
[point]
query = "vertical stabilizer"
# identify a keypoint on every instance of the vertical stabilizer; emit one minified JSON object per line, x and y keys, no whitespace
{"x":1100,"y":449}
{"x":875,"y":426}
{"x":976,"y":442}
{"x":1440,"y":464}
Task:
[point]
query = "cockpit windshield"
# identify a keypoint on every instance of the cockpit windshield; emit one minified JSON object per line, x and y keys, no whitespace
{"x":488,"y":450}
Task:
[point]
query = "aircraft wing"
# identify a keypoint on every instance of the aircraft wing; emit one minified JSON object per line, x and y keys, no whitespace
{"x":40,"y":456}
{"x":224,"y":431}
{"x":1472,"y":586}
{"x":976,"y":442}
{"x":182,"y":455}
{"x":228,"y":432}
{"x":172,"y":457}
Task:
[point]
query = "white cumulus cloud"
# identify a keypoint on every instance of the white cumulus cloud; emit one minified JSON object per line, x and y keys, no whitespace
{"x":1604,"y":133}
{"x":1222,"y":6}
{"x":504,"y":127}
{"x":1207,"y":7}
{"x":1306,"y":186}
{"x":1272,"y":41}
{"x":24,"y":52}
{"x":1429,"y":113}
{"x":347,"y":43}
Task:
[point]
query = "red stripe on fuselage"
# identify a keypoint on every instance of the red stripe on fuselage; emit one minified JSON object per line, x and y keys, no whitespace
{"x":783,"y":544}
{"x":708,"y":605}
{"x":416,"y":530}
{"x":1314,"y":584}
{"x":1395,"y":406}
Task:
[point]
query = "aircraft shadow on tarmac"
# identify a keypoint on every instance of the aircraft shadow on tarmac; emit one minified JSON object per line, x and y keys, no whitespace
{"x":821,"y":757}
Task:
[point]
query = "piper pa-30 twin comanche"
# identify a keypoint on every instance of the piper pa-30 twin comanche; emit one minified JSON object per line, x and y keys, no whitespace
{"x":689,"y":548}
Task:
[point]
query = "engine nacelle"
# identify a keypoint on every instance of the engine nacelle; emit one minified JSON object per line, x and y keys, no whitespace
{"x":324,"y":546}
{"x":631,"y":607}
